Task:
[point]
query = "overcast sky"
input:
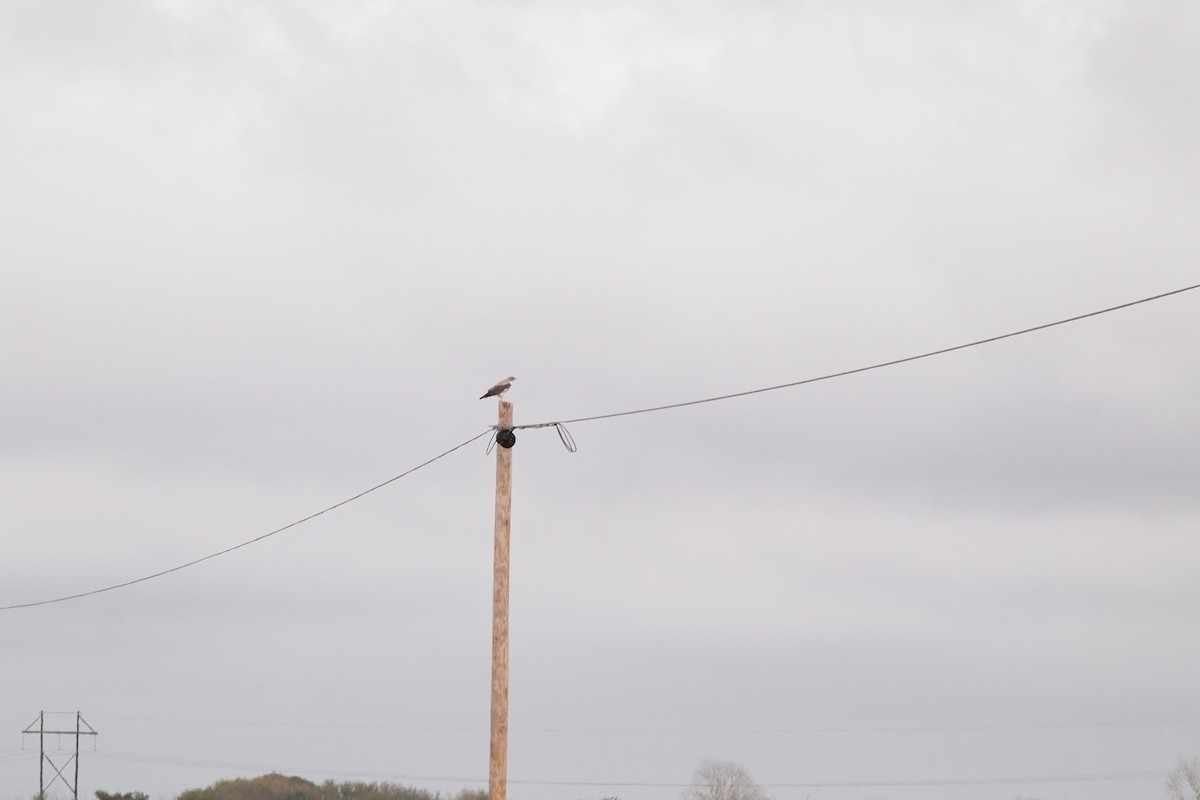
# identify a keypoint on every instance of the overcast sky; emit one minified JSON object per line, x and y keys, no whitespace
{"x":257,"y":257}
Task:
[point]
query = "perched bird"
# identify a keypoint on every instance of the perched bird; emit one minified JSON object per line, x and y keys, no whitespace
{"x":500,"y":388}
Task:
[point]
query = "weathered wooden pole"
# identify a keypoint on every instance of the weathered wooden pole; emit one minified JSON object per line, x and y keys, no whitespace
{"x":498,"y":771}
{"x":42,"y":755}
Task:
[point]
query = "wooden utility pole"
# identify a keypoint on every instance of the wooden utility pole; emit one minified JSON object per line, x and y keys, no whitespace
{"x":498,"y":771}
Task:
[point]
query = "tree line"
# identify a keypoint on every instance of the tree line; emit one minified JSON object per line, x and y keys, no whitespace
{"x":290,"y":787}
{"x":712,"y":780}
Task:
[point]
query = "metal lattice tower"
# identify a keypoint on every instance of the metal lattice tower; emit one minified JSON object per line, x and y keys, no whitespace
{"x":38,"y":727}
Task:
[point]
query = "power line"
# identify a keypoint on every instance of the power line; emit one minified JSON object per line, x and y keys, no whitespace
{"x":1087,"y":777}
{"x":570,"y":444}
{"x":248,"y":542}
{"x":856,"y":370}
{"x":341,"y":773}
{"x":671,"y":731}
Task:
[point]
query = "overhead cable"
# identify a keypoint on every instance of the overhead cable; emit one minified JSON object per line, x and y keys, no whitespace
{"x":569,"y":443}
{"x":248,"y":542}
{"x":669,"y":731}
{"x":559,"y":423}
{"x":1088,"y":777}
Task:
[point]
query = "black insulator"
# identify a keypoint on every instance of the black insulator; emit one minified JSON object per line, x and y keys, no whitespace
{"x":506,"y":438}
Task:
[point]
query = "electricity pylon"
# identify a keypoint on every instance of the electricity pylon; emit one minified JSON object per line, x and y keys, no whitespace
{"x":38,"y":726}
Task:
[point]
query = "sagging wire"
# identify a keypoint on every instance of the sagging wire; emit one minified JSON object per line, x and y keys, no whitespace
{"x":867,"y":368}
{"x":248,"y":542}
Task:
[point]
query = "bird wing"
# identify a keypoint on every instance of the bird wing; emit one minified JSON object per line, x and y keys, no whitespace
{"x":499,"y":388}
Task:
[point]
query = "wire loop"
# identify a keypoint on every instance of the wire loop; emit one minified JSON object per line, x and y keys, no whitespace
{"x":565,"y":437}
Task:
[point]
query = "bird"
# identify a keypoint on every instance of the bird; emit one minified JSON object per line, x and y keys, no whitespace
{"x":499,"y":389}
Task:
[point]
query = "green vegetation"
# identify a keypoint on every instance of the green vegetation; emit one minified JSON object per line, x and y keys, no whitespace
{"x":290,"y":787}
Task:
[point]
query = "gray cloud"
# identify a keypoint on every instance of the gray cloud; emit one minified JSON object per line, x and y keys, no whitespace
{"x":258,"y":258}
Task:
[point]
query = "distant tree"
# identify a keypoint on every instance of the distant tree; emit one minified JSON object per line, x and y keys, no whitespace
{"x":290,"y":787}
{"x":264,"y":787}
{"x":722,"y":780}
{"x":361,"y":790}
{"x":103,"y":795}
{"x":1184,"y":782}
